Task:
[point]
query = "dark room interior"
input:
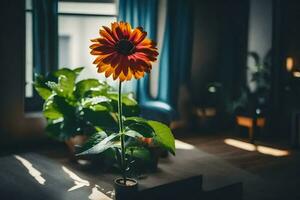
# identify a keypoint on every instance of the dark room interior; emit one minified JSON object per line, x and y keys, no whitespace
{"x":150,"y":99}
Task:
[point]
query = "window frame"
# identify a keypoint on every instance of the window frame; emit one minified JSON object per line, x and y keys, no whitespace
{"x":33,"y":103}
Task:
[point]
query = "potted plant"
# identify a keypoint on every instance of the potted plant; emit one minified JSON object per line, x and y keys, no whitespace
{"x":125,"y":53}
{"x":75,"y":110}
{"x":254,"y":97}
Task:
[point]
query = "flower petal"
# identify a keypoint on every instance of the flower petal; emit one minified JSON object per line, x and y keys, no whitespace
{"x":147,"y":43}
{"x":102,"y":67}
{"x":103,"y":49}
{"x":126,"y":29}
{"x":114,"y":27}
{"x":109,"y":71}
{"x":106,"y":35}
{"x":117,"y":72}
{"x":122,"y":77}
{"x":108,"y":30}
{"x":108,"y":59}
{"x":136,"y":34}
{"x":146,"y":51}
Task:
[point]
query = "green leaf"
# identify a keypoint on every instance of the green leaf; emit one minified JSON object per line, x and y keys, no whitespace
{"x":43,"y":92}
{"x":86,"y":102}
{"x":56,"y":107}
{"x":82,"y":87}
{"x":103,"y":89}
{"x":141,"y":153}
{"x":135,"y":119}
{"x":100,"y":107}
{"x":98,"y":103}
{"x":51,"y":109}
{"x":127,"y":99}
{"x":40,"y":86}
{"x":133,"y":134}
{"x":163,"y":135}
{"x":129,"y":104}
{"x":78,"y":70}
{"x":93,"y":140}
{"x":139,"y":125}
{"x":103,"y":119}
{"x":101,"y":146}
{"x":66,"y":82}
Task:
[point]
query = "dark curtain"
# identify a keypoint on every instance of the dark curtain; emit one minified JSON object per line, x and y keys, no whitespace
{"x":45,"y":35}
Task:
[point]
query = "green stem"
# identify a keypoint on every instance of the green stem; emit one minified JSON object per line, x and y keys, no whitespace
{"x":121,"y":131}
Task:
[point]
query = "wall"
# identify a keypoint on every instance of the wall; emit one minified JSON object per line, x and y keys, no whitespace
{"x":205,"y":46}
{"x":13,"y":122}
{"x":220,"y":41}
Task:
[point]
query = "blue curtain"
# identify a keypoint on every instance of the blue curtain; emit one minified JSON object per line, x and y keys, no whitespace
{"x":45,"y":34}
{"x":176,"y":54}
{"x":140,"y":13}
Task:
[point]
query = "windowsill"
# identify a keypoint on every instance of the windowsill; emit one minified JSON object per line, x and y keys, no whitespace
{"x":36,"y":114}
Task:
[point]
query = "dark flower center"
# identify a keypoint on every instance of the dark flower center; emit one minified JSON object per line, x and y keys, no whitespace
{"x":125,"y":47}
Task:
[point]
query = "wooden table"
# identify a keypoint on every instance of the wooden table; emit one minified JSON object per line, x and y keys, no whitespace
{"x":34,"y":176}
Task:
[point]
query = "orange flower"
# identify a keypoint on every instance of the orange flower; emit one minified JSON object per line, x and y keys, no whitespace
{"x":122,"y":52}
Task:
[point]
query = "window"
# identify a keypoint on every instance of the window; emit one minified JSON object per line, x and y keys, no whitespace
{"x":78,"y":22}
{"x":29,"y":50}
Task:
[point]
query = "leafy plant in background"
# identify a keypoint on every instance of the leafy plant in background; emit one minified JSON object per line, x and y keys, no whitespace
{"x":83,"y":107}
{"x":258,"y":86}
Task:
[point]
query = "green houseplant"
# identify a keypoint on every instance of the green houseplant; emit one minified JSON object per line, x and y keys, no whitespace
{"x":126,"y":53}
{"x":75,"y":110}
{"x":255,"y":96}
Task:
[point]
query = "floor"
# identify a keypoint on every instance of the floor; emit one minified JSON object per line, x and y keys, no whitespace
{"x":281,"y":175}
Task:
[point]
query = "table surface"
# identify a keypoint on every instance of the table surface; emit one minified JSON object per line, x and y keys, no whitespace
{"x":35,"y":176}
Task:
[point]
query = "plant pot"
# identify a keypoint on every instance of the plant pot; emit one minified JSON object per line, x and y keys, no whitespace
{"x":156,"y":153}
{"x":76,"y":140}
{"x":125,"y":192}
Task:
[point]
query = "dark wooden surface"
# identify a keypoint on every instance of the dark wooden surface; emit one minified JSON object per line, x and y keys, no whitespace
{"x":18,"y":183}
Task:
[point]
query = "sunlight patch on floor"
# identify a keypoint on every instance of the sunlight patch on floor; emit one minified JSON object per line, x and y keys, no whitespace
{"x":96,"y":193}
{"x":259,"y":148}
{"x":36,"y":174}
{"x":182,"y":145}
{"x":79,"y":182}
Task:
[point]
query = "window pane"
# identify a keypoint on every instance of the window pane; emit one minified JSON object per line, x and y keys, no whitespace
{"x":29,"y":56}
{"x":28,"y":4}
{"x":75,"y":33}
{"x":87,"y":8}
